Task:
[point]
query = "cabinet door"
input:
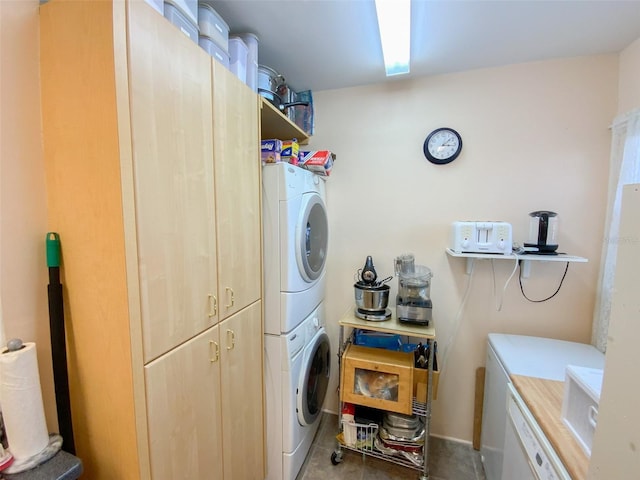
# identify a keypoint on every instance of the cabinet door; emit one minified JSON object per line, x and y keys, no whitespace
{"x":242,"y":405}
{"x":237,"y":168}
{"x":183,"y":408}
{"x":171,"y":123}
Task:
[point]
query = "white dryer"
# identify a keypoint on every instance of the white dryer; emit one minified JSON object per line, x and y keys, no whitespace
{"x":295,"y":244}
{"x":297,"y":367}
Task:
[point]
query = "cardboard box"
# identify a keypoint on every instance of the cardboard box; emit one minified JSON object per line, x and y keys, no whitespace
{"x":270,"y":151}
{"x":318,"y":161}
{"x":290,"y":151}
{"x":377,"y":378}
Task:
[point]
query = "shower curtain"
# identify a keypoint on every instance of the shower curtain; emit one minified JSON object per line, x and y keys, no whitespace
{"x":624,"y":169}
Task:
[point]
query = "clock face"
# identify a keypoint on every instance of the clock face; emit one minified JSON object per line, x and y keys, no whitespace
{"x":442,"y":146}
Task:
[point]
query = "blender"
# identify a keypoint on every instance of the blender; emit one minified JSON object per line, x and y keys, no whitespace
{"x":413,"y":302}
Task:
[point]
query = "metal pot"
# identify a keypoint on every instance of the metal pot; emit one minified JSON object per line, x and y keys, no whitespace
{"x":288,"y":98}
{"x":371,"y":298}
{"x":272,"y":86}
{"x":278,"y":102}
{"x":268,"y":83}
{"x":268,"y":78}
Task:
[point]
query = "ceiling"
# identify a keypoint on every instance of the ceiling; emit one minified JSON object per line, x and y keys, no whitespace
{"x":328,"y":44}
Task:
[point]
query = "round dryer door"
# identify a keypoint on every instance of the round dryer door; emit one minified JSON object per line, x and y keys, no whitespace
{"x":312,"y":232}
{"x":314,"y":379}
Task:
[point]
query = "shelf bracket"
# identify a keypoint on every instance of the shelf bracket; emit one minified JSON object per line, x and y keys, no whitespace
{"x":470,"y":261}
{"x":525,"y":266}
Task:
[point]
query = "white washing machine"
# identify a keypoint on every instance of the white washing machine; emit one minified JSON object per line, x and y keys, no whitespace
{"x":520,"y":355}
{"x":297,"y":367}
{"x":295,"y":244}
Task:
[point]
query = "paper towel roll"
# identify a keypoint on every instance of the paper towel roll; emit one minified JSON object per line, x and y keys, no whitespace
{"x":21,"y":402}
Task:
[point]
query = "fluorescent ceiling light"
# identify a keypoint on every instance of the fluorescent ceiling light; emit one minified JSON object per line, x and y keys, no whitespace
{"x":394,"y":22}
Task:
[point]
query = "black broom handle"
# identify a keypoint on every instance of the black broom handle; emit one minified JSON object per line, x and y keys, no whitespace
{"x":58,"y":344}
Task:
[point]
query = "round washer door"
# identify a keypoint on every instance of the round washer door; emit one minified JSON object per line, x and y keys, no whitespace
{"x":312,"y":235}
{"x":314,"y":379}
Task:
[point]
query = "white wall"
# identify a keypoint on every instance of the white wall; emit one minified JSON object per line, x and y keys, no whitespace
{"x":23,"y":225}
{"x":629,"y":83}
{"x":535,"y":137}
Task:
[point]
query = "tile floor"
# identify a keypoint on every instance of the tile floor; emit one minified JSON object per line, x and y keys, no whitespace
{"x":448,"y":460}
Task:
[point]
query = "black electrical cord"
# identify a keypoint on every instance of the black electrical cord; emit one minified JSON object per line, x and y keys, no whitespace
{"x":549,"y":297}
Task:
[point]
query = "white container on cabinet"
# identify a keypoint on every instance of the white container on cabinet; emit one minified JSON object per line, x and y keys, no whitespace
{"x":189,"y":9}
{"x":252,"y":59}
{"x":213,"y":26}
{"x":177,"y":18}
{"x":238,"y":52}
{"x":158,"y":5}
{"x":214,"y":50}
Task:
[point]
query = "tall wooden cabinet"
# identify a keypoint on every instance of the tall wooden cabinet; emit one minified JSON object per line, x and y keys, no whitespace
{"x":170,"y":103}
{"x":238,"y":207}
{"x":153,"y":181}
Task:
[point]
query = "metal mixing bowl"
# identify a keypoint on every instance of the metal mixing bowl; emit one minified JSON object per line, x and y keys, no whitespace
{"x":372,"y":299}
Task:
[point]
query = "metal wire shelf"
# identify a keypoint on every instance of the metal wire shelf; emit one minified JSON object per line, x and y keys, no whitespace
{"x":360,"y":438}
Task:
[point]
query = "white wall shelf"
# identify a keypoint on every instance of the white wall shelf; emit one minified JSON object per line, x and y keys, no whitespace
{"x":526,"y":259}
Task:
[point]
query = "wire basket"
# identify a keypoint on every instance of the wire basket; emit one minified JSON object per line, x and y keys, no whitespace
{"x":358,"y":436}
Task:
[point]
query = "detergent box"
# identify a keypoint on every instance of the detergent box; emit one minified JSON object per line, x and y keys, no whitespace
{"x":318,"y":161}
{"x":271,"y":151}
{"x":290,"y":151}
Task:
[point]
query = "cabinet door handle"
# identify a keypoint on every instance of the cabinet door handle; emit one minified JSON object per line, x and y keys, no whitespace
{"x":215,"y":349}
{"x":229,"y":297}
{"x":231,"y":339}
{"x":213,"y":305}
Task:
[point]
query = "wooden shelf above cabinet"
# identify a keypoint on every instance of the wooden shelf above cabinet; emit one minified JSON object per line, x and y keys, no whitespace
{"x":276,"y":125}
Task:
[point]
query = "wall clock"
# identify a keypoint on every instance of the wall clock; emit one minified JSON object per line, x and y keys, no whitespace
{"x":443,"y":145}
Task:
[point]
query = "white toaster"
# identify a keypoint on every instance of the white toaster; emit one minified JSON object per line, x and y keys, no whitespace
{"x":481,"y":237}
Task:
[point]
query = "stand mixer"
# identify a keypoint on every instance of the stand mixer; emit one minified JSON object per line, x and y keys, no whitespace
{"x":371,"y":295}
{"x":413,"y":301}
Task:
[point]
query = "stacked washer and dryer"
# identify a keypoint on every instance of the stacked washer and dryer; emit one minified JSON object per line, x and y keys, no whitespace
{"x":297,"y":350}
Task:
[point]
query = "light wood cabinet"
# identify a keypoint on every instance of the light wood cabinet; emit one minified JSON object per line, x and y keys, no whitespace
{"x":239,"y":230}
{"x":209,"y":385}
{"x":171,"y":135}
{"x":133,"y":125}
{"x":242,"y":391}
{"x":184,"y":405}
{"x":238,"y":209}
